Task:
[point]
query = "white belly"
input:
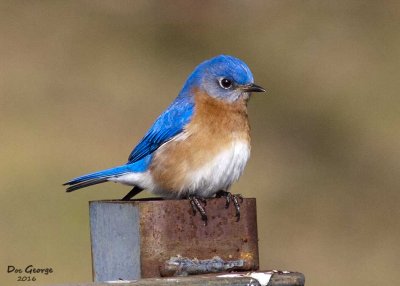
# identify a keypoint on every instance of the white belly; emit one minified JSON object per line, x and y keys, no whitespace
{"x":219,"y":174}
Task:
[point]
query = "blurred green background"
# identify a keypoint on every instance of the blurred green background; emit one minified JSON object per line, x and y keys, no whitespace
{"x":81,"y":81}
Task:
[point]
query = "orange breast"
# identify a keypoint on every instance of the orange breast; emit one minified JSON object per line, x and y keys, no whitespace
{"x":213,"y":128}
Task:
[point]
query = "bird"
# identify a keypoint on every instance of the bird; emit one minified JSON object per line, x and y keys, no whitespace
{"x":199,"y":146}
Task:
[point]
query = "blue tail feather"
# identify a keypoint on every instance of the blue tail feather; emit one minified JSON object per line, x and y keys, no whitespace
{"x":95,"y":178}
{"x":99,"y":175}
{"x":103,"y":176}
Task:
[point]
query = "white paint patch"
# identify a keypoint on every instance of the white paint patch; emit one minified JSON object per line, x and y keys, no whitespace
{"x":120,"y":281}
{"x":231,"y":275}
{"x":262,"y":277}
{"x":220,"y":172}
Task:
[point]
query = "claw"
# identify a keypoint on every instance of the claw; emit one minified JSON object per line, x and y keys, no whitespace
{"x":228,"y":200}
{"x":193,"y":205}
{"x":230,"y":197}
{"x":196,"y":206}
{"x":237,"y":206}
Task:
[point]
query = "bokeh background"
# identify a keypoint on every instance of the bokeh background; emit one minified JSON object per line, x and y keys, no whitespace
{"x":81,"y":81}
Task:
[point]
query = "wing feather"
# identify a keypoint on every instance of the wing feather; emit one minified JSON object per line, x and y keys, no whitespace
{"x":167,"y":125}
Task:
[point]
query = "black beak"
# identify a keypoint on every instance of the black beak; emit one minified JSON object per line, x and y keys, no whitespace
{"x":253,"y":88}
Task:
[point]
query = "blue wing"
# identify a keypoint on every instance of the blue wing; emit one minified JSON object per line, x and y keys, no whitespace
{"x":167,"y":125}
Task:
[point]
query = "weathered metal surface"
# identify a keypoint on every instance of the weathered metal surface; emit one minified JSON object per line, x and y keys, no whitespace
{"x":183,"y":266}
{"x":165,"y":229}
{"x":115,"y":241}
{"x":287,"y":279}
{"x":168,"y":229}
{"x":277,"y":279}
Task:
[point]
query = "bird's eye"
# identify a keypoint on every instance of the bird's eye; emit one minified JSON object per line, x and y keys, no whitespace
{"x":225,"y":83}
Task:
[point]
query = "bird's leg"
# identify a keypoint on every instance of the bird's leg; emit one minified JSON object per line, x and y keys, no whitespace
{"x":132,"y":193}
{"x":234,"y":198}
{"x":236,"y":204}
{"x":196,"y":206}
{"x":227,"y":196}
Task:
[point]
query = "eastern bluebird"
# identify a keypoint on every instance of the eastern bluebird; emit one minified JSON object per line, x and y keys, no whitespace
{"x":198,"y":146}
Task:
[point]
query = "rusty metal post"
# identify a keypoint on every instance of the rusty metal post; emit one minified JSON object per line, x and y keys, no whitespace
{"x":154,"y":238}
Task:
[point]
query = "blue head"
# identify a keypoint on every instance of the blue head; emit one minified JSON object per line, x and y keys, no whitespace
{"x":223,"y":77}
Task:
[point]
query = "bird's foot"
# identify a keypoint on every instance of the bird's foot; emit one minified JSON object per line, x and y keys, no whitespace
{"x":234,"y":198}
{"x":197,"y":206}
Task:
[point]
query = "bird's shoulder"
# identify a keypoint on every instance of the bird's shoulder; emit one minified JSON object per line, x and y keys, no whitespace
{"x":170,"y":123}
